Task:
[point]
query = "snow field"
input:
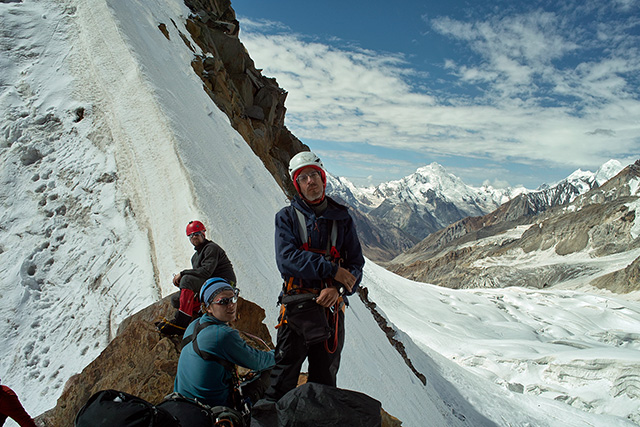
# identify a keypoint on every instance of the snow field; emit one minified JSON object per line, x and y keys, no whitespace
{"x":563,"y":346}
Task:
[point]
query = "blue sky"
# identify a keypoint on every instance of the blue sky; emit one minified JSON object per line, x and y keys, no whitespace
{"x":502,"y":92}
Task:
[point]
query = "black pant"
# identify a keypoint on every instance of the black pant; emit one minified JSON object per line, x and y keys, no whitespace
{"x":192,"y":282}
{"x":291,"y":352}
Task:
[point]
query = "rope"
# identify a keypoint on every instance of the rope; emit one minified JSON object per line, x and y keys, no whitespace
{"x":256,"y":338}
{"x":336,"y":319}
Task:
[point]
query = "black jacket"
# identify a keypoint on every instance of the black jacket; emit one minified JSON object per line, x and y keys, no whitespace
{"x":210,"y":260}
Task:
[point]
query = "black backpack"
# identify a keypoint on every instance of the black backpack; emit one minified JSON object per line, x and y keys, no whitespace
{"x":191,"y":413}
{"x":111,"y":408}
{"x":314,"y":405}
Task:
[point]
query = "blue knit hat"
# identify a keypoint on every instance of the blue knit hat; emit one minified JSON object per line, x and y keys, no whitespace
{"x":213,"y":287}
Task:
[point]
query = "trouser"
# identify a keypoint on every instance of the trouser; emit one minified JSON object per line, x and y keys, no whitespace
{"x":291,"y":352}
{"x":10,"y":406}
{"x":254,"y":389}
{"x":189,"y":290}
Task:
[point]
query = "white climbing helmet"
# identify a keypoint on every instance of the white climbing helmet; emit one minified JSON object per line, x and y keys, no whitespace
{"x":302,"y":160}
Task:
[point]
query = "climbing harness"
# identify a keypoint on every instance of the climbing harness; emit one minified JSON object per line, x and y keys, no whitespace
{"x":331,"y":253}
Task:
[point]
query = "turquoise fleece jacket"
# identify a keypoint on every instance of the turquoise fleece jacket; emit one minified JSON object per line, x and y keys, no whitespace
{"x":207,"y":380}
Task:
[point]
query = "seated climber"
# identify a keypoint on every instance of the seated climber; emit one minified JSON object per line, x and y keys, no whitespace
{"x":210,"y":260}
{"x":206,"y":368}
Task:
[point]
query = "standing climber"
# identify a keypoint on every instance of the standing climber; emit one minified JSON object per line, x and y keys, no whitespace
{"x":10,"y":406}
{"x":210,"y":260}
{"x":320,"y":259}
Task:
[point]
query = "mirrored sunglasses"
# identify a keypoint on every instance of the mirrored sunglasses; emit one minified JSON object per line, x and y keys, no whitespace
{"x":197,"y":233}
{"x":227,"y":301}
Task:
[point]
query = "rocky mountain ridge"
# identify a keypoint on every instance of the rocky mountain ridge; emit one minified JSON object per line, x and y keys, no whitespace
{"x":253,"y":102}
{"x":594,"y":238}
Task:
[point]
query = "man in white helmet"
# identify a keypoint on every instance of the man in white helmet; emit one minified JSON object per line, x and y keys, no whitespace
{"x":319,"y":256}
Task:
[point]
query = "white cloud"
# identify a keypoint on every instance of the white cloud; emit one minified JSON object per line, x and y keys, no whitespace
{"x":531,"y":109}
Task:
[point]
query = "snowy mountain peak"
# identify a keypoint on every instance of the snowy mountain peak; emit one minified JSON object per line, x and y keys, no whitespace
{"x":424,"y":184}
{"x":435,"y":177}
{"x":608,"y":171}
{"x":433,"y":170}
{"x":586,"y":180}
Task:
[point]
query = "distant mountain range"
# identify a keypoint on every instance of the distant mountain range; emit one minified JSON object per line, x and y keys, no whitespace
{"x":591,"y":240}
{"x":396,"y":215}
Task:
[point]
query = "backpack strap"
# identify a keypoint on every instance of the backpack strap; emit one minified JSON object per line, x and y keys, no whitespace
{"x":332,"y":251}
{"x":302,"y":226}
{"x":206,"y":355}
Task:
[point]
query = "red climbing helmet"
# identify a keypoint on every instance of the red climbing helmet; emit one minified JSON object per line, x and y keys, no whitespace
{"x":195,"y":226}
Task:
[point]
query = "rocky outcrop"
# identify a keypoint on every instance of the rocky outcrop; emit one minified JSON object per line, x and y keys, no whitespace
{"x":621,"y":281}
{"x":253,"y":102}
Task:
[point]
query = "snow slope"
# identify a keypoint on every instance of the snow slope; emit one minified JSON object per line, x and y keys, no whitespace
{"x":109,"y":145}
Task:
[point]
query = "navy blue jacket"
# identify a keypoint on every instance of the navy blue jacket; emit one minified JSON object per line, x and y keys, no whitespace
{"x":308,"y":268}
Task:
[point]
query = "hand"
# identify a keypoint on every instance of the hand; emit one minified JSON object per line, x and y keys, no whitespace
{"x":328,"y":297}
{"x":345,"y":277}
{"x":176,"y":280}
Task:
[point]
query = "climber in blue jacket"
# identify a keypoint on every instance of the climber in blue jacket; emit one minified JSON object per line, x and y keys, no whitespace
{"x":319,"y":256}
{"x":206,"y":362}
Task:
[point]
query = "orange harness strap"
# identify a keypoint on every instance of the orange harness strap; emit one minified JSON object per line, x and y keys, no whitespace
{"x":291,"y":288}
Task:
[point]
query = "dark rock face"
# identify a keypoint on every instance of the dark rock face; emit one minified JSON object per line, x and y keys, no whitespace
{"x":253,"y":102}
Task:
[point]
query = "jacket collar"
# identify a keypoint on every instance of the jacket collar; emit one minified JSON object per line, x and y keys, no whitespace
{"x":205,"y":243}
{"x":334,"y":209}
{"x":209,"y":318}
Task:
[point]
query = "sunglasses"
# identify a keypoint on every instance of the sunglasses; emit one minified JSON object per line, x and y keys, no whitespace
{"x":227,"y":301}
{"x":197,"y":233}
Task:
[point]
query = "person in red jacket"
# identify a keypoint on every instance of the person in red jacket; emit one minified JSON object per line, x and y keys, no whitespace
{"x":11,"y":407}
